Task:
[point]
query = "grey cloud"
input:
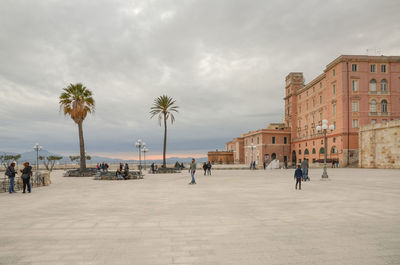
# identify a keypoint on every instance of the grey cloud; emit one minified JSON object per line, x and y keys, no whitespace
{"x":223,"y":61}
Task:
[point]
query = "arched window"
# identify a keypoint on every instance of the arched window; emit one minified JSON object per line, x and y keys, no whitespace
{"x":334,"y":150}
{"x":306,"y":152}
{"x":372,"y":106}
{"x":384,"y":106}
{"x":313,"y":151}
{"x":321,"y":150}
{"x":372,"y":85}
{"x":299,"y":151}
{"x":383,"y":85}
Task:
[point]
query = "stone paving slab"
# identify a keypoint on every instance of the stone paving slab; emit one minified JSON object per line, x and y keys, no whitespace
{"x":231,"y":217}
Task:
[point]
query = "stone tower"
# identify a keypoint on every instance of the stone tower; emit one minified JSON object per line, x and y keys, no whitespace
{"x":294,"y":82}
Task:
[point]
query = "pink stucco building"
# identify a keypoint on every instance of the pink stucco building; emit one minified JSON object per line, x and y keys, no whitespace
{"x":352,"y":91}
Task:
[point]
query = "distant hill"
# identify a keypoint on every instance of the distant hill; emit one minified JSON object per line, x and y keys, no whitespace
{"x":30,"y":156}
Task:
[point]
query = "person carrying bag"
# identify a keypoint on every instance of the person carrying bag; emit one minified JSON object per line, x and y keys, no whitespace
{"x":26,"y":177}
{"x":10,"y":173}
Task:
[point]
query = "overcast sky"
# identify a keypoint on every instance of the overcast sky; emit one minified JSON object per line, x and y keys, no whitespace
{"x":224,"y":62}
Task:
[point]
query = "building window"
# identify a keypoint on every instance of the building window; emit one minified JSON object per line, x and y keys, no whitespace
{"x":299,"y":145}
{"x":313,"y":102}
{"x":355,"y":106}
{"x":306,"y":152}
{"x":372,"y":106}
{"x":333,"y":72}
{"x":384,"y":106}
{"x":313,"y":143}
{"x":258,"y":140}
{"x":334,"y":89}
{"x":307,"y":105}
{"x":320,"y":99}
{"x":300,"y":109}
{"x":354,"y":84}
{"x":334,"y":139}
{"x":299,"y":151}
{"x":313,"y":150}
{"x":355,"y":123}
{"x":372,"y":85}
{"x":334,"y":150}
{"x":285,"y":140}
{"x":354,"y":67}
{"x":383,"y":68}
{"x":383,"y":85}
{"x":334,"y":109}
{"x":334,"y":125}
{"x":273,"y":139}
{"x":373,"y":66}
{"x":373,"y":121}
{"x":321,"y":150}
{"x":322,"y":141}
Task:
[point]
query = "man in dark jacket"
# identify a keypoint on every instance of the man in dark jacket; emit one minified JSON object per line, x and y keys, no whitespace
{"x":298,"y":174}
{"x":11,"y":176}
{"x":209,"y":168}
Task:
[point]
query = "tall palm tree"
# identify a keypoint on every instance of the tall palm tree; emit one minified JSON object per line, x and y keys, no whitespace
{"x":77,"y":101}
{"x":164,"y":106}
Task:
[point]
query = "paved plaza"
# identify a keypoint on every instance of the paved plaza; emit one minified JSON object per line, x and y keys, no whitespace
{"x":231,"y":217}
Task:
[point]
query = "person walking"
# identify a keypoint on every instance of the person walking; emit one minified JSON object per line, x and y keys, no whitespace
{"x":192,"y":170}
{"x":209,"y":168}
{"x":298,"y":174}
{"x":205,"y":168}
{"x":26,"y":177}
{"x":10,"y":173}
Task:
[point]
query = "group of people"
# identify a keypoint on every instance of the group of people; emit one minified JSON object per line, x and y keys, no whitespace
{"x":154,"y":168}
{"x":102,"y":167}
{"x":301,"y":173}
{"x":26,"y":175}
{"x":123,"y":171}
{"x":207,"y":168}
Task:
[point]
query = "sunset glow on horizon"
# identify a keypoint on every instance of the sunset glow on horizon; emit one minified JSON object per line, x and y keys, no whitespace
{"x":130,"y":156}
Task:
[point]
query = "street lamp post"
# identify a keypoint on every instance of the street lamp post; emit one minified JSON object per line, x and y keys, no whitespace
{"x":145,"y":150}
{"x":139,"y":145}
{"x":37,"y":148}
{"x":252,"y":148}
{"x":324,"y":129}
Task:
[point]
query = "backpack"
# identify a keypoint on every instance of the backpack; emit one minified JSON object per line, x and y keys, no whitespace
{"x":8,"y":172}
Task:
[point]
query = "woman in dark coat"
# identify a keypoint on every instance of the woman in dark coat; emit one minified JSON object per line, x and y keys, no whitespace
{"x":205,"y":168}
{"x":26,"y":177}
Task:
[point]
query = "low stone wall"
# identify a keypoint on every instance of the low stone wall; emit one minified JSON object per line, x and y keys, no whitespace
{"x":37,"y":180}
{"x":89,"y":172}
{"x":380,"y":145}
{"x":110,"y":175}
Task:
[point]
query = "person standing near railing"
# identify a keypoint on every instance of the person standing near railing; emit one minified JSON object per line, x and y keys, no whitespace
{"x":10,"y":173}
{"x":26,"y":177}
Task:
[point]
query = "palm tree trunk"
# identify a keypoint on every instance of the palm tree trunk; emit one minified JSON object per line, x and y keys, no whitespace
{"x":165,"y":139}
{"x":82,"y":147}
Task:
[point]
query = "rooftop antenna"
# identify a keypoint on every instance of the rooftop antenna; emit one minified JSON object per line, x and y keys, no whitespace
{"x":374,"y":52}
